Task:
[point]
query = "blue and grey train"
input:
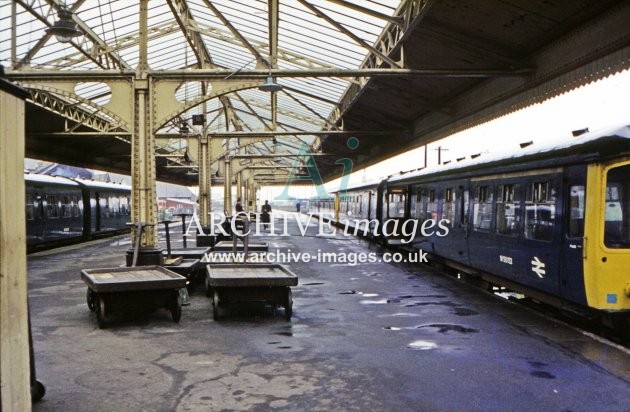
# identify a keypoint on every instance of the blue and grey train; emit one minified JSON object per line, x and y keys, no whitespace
{"x":60,"y":210}
{"x":552,"y":221}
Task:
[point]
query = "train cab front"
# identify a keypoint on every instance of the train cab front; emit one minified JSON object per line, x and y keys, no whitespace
{"x":607,"y":240}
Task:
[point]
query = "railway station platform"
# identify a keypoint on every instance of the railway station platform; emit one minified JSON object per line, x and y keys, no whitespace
{"x":370,"y":336}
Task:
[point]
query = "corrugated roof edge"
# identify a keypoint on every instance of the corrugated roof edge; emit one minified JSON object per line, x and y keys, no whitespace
{"x":620,"y":131}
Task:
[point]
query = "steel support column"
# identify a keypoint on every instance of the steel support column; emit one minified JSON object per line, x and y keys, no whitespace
{"x":253,"y":194}
{"x":227,"y":186}
{"x":143,"y":204}
{"x":239,"y":186}
{"x":204,"y":182}
{"x":246,"y":196}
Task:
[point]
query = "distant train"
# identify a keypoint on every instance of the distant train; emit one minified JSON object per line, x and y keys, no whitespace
{"x":61,"y":210}
{"x":551,"y":222}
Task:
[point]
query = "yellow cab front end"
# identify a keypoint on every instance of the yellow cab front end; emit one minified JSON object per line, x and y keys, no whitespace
{"x":607,"y":236}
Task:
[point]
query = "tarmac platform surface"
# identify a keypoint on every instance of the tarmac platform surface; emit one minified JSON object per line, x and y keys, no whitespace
{"x":374,"y":336}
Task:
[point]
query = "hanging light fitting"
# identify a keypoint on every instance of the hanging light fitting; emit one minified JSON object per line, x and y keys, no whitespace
{"x":64,"y":29}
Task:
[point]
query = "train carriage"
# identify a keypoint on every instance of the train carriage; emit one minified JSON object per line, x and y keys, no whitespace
{"x":54,"y":209}
{"x":551,"y":221}
{"x":61,"y":210}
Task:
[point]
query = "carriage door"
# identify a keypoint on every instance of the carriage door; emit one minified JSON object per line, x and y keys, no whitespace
{"x":455,"y":209}
{"x":97,"y":208}
{"x":571,"y":271}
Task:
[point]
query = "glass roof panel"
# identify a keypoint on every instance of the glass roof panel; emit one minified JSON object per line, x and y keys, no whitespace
{"x":306,"y":40}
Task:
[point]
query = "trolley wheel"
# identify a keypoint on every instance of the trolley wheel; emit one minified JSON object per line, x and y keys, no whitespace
{"x":208,"y":287}
{"x":176,"y":308}
{"x":102,"y":312}
{"x":288,"y":306}
{"x":91,"y":299}
{"x":215,"y":305}
{"x":38,"y":390}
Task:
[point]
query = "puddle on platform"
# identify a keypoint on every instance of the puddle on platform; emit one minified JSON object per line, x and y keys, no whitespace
{"x":543,"y":374}
{"x":422,"y":345}
{"x":447,"y":327}
{"x":440,"y":327}
{"x":465,"y":312}
{"x":356,"y":292}
{"x":405,"y":315}
{"x":422,"y":296}
{"x":374,"y":302}
{"x":413,"y":304}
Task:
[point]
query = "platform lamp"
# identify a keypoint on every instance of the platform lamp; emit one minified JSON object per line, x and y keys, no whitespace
{"x":270,"y":85}
{"x":183,"y":129}
{"x":64,"y":29}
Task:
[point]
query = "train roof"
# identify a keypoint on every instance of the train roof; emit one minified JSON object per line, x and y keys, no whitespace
{"x":361,"y":185}
{"x":58,"y":180}
{"x":34,"y":177}
{"x":102,"y":185}
{"x":562,"y":146}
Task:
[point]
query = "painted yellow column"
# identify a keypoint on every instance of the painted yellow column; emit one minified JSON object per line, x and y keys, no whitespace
{"x":144,"y":200}
{"x":227,"y":186}
{"x":239,"y":186}
{"x":204,"y":183}
{"x":14,"y":351}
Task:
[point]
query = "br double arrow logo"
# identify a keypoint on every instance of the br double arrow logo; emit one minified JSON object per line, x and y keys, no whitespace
{"x":538,"y":267}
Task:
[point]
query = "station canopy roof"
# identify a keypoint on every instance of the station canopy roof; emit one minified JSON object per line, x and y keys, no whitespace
{"x":445,"y":61}
{"x":235,"y":34}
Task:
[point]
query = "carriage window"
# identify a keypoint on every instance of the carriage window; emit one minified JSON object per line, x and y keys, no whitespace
{"x":465,"y":201}
{"x":448,"y":208}
{"x":104,"y":205}
{"x":397,"y":204}
{"x":52,"y":208}
{"x":413,"y":202}
{"x":421,"y":204}
{"x":30,"y":207}
{"x":432,"y":211}
{"x":482,"y":209}
{"x":66,"y":206}
{"x":540,"y":211}
{"x":617,"y":215}
{"x":114,"y":205}
{"x":76,"y":207}
{"x":508,"y":210}
{"x":576,"y":217}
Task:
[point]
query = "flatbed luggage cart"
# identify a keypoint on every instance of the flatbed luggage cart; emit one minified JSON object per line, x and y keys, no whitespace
{"x":113,"y":290}
{"x":251,"y":282}
{"x":228,"y":258}
{"x":228,"y":246}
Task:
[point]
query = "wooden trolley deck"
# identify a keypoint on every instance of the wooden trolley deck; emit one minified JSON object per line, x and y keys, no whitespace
{"x":227,"y":246}
{"x":247,"y":282}
{"x":113,"y":290}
